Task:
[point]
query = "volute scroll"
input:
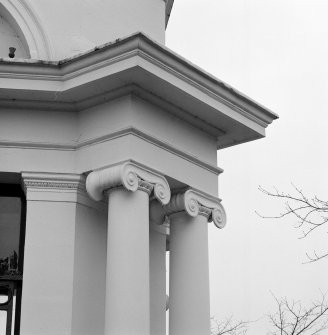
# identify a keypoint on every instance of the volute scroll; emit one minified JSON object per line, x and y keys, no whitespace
{"x":130,"y":175}
{"x":194,"y":203}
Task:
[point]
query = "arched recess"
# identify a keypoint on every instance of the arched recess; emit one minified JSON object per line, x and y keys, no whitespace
{"x":21,"y":16}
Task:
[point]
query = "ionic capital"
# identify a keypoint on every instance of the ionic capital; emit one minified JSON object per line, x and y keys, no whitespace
{"x":194,"y":203}
{"x":132,"y":176}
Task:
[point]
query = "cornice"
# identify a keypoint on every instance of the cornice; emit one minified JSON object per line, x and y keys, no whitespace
{"x":194,"y":203}
{"x":130,"y":175}
{"x":219,"y":104}
{"x":127,"y":48}
{"x":208,"y":89}
{"x":34,"y":180}
{"x":53,"y":187}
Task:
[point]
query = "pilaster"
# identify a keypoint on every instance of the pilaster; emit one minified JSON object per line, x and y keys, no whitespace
{"x":49,"y":252}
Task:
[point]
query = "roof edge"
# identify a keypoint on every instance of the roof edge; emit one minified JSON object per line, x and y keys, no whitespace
{"x":220,"y":96}
{"x":169,"y":6}
{"x":140,"y":40}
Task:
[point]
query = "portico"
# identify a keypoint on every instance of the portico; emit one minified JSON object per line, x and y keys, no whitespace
{"x":116,"y":150}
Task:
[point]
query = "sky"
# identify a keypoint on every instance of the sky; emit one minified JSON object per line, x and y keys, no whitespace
{"x":276,"y":52}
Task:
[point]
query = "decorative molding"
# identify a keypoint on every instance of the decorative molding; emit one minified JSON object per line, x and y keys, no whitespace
{"x":108,"y":137}
{"x":219,"y":217}
{"x":149,"y":53}
{"x":207,"y":212}
{"x":127,"y":174}
{"x":194,"y":203}
{"x":41,"y":184}
{"x":52,"y":181}
{"x":208,"y":90}
{"x":145,"y":186}
{"x":58,"y":187}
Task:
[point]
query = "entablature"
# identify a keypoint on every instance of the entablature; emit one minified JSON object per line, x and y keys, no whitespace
{"x":140,"y":65}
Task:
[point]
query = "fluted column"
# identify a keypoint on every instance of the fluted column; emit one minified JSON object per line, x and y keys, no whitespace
{"x":189,"y":303}
{"x":128,"y":186}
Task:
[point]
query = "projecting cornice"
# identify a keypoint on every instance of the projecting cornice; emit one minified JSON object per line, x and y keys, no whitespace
{"x":140,"y":66}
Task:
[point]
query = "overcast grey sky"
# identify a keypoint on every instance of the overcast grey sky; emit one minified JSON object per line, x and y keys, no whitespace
{"x":276,"y":52}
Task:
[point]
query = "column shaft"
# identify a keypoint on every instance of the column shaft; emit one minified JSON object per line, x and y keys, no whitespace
{"x":127,"y":279}
{"x":189,"y":276}
{"x":157,"y":282}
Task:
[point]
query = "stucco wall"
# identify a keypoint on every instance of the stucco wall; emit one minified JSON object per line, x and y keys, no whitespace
{"x":9,"y":37}
{"x":75,"y":26}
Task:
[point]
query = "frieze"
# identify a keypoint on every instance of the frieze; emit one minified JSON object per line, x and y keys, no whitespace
{"x":40,"y":184}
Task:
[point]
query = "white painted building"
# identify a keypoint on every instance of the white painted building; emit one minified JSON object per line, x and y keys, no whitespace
{"x":113,"y":138}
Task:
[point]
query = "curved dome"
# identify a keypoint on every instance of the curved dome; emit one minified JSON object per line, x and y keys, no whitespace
{"x":11,"y":37}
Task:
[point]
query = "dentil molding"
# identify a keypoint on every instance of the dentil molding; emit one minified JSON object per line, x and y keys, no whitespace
{"x":194,"y":203}
{"x":132,"y":176}
{"x":51,"y":181}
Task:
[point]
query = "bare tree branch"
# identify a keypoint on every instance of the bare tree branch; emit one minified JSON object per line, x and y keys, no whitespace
{"x":229,"y":327}
{"x":311,"y":213}
{"x":292,"y":318}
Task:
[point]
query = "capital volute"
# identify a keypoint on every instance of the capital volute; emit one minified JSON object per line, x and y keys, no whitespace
{"x":194,"y":203}
{"x":130,"y":175}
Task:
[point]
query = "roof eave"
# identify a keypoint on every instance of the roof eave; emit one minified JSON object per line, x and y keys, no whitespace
{"x":160,"y":74}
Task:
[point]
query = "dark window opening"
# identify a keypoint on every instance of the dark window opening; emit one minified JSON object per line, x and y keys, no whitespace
{"x":12,"y":238}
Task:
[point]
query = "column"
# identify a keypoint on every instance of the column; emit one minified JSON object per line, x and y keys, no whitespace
{"x":128,"y":186}
{"x":158,"y":231}
{"x":189,"y":214}
{"x":49,"y":252}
